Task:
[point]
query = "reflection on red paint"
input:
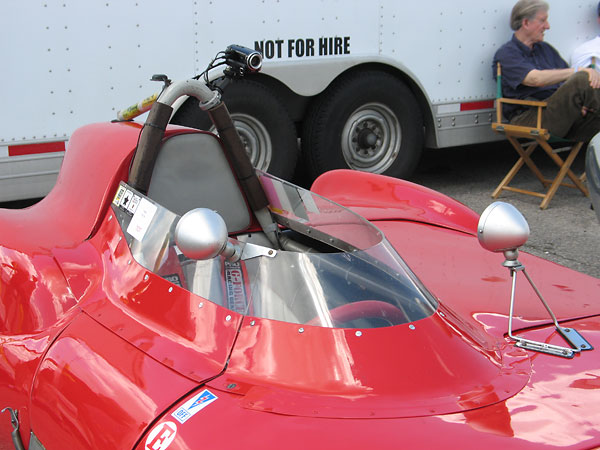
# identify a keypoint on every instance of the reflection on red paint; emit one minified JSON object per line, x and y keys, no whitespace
{"x":587,"y":383}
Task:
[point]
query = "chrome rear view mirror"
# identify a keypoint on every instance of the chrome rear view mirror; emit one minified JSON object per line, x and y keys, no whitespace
{"x":202,"y":234}
{"x":502,"y":228}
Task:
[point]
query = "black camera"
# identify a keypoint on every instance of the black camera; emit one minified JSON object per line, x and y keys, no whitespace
{"x":243,"y":58}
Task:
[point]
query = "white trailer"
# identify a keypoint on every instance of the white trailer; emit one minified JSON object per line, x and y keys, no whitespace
{"x":364,"y":85}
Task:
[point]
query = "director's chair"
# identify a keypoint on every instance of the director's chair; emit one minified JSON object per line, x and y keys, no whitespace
{"x":535,"y":137}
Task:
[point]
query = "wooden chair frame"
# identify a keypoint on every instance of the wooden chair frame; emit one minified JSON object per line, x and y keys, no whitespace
{"x":537,"y":137}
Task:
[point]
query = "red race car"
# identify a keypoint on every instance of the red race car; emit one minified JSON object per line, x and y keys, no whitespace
{"x":165,"y":295}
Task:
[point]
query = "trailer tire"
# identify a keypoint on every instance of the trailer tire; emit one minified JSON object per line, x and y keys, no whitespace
{"x":367,"y":121}
{"x":262,"y":121}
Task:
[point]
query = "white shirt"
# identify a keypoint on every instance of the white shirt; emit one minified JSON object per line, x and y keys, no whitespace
{"x":582,"y":55}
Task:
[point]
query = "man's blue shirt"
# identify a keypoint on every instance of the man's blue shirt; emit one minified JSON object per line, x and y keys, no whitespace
{"x":517,"y":60}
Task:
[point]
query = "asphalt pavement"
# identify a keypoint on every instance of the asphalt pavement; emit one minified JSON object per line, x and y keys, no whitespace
{"x":567,"y":232}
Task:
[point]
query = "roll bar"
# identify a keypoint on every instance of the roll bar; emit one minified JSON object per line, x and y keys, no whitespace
{"x":153,"y":132}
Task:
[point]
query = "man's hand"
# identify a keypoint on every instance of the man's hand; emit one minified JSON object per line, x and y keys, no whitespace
{"x":594,"y":77}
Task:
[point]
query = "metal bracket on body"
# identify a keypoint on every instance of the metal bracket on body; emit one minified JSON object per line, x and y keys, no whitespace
{"x":570,"y":335}
{"x":254,"y":251}
{"x":15,"y":435}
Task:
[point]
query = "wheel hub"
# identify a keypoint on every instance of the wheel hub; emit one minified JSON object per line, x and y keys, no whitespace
{"x":367,"y":139}
{"x":371,"y":138}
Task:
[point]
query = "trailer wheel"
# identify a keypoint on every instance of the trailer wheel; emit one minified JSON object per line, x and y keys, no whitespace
{"x":262,"y":122}
{"x":368,"y":121}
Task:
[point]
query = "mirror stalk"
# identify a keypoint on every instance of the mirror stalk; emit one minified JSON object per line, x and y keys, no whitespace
{"x":502,"y":228}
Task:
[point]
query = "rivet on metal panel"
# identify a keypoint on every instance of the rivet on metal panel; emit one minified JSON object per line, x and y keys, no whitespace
{"x":146,"y":277}
{"x":300,"y":330}
{"x":171,"y":289}
{"x":228,"y":318}
{"x":358,"y":333}
{"x":411,"y":326}
{"x":201,"y":305}
{"x":252,"y":323}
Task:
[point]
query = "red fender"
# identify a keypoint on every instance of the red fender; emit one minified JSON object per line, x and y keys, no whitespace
{"x":377,"y":197}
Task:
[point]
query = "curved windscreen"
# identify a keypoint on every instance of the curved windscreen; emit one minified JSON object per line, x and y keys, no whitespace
{"x":334,"y":269}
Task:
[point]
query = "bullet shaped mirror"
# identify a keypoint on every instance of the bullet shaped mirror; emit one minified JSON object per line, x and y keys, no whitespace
{"x":202,"y":234}
{"x":502,"y":228}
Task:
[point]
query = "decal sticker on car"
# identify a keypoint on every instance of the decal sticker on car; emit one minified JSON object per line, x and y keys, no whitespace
{"x":196,"y":404}
{"x":237,"y":299}
{"x":133,"y":203}
{"x":141,"y":219}
{"x":126,"y":199}
{"x":119,"y":195}
{"x":173,"y":278}
{"x":161,"y":436}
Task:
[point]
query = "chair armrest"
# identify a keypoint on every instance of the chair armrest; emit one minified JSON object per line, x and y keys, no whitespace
{"x":521,"y":131}
{"x":514,"y":101}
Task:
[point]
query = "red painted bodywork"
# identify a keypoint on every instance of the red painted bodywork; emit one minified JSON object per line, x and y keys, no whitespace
{"x":97,"y":352}
{"x":377,"y":197}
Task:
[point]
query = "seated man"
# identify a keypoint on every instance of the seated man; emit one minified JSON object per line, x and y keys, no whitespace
{"x":531,"y":68}
{"x":588,"y":53}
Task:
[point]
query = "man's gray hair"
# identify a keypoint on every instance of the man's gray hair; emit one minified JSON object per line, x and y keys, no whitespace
{"x":526,"y":9}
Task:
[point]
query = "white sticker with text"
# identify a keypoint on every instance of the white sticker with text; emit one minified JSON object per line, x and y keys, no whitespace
{"x":141,"y":219}
{"x":191,"y":407}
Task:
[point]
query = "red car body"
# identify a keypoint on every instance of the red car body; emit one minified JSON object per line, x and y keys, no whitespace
{"x":98,"y":352}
